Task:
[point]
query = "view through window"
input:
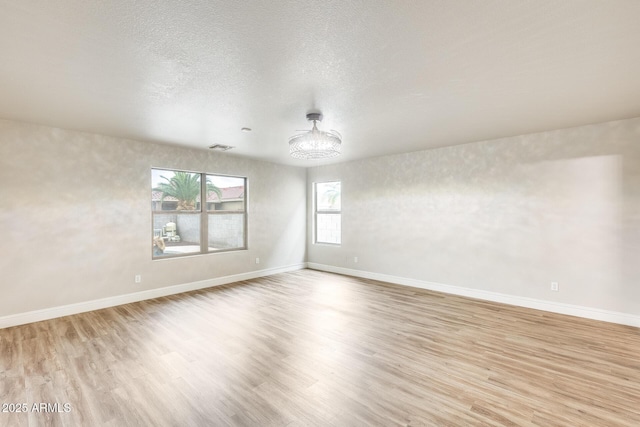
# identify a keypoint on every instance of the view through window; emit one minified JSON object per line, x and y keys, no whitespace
{"x":182,"y":225}
{"x":328,"y":215}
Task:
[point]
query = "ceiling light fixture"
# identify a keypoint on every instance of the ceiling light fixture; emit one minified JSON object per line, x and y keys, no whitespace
{"x":315,"y":144}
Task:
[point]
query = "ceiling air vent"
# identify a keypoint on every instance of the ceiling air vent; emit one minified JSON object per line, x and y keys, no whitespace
{"x":220,"y":147}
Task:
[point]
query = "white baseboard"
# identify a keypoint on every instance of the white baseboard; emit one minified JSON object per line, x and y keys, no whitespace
{"x":554,"y":307}
{"x":81,"y":307}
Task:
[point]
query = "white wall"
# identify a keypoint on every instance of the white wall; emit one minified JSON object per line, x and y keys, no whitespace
{"x":505,"y":216}
{"x":75,"y":213}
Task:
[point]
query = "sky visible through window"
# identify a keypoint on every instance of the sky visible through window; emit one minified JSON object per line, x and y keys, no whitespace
{"x":218,"y":181}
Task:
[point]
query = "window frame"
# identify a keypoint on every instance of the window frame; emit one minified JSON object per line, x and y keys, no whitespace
{"x":317,"y":211}
{"x":204,"y":213}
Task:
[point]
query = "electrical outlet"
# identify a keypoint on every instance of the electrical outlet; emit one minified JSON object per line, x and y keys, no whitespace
{"x":138,"y":278}
{"x":355,"y":259}
{"x":257,"y":260}
{"x":555,"y":287}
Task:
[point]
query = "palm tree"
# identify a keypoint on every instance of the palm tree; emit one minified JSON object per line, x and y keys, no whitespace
{"x":185,"y":187}
{"x":332,"y":193}
{"x":211,"y":188}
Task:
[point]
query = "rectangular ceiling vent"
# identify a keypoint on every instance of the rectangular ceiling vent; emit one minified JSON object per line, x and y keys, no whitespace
{"x":220,"y":147}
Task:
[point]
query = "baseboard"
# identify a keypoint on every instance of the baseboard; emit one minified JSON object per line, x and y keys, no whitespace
{"x":66,"y":310}
{"x":554,"y":307}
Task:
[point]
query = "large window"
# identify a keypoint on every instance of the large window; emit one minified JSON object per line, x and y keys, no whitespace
{"x":183,"y":225}
{"x":327,"y":212}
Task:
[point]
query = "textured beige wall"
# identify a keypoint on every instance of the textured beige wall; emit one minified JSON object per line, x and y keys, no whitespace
{"x":508,"y":215}
{"x":76,"y":220}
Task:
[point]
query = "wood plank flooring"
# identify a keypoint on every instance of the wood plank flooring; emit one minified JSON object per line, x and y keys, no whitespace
{"x":319,"y":349}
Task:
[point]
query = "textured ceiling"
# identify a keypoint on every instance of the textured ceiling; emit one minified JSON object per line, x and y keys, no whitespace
{"x":391,"y":76}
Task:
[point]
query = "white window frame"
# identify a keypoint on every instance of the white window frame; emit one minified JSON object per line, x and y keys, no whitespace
{"x":317,"y":212}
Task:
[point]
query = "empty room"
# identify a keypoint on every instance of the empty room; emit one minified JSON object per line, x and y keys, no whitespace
{"x":344,"y":213}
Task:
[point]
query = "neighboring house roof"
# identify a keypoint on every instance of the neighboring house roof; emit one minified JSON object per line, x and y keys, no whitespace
{"x":228,"y":194}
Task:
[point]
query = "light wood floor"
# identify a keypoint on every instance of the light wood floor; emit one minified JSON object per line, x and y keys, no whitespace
{"x":312,"y":348}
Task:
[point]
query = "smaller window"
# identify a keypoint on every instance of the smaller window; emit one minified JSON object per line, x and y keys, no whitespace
{"x":328,"y":214}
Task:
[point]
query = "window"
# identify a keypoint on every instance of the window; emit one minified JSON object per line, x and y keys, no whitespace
{"x":226,"y":212}
{"x":328,"y":215}
{"x":182,"y":225}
